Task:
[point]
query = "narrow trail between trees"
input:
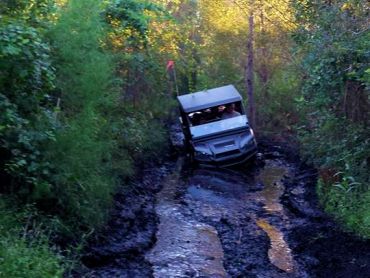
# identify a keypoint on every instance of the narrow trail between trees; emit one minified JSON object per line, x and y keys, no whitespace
{"x":256,"y":220}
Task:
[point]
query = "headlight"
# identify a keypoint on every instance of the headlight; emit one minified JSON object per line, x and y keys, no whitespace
{"x":202,"y":152}
{"x":247,"y":140}
{"x":202,"y":155}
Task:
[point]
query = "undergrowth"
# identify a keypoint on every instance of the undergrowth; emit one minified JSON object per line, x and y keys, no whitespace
{"x":25,"y":250}
{"x":341,"y":150}
{"x":68,"y":137}
{"x":349,"y":206}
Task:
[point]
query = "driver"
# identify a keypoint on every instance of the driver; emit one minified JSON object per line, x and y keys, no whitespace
{"x":230,"y":112}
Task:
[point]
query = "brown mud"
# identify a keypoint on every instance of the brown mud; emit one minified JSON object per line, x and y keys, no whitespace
{"x":256,"y":220}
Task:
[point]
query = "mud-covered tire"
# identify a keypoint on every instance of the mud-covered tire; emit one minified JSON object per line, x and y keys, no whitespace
{"x":192,"y":160}
{"x":258,"y":159}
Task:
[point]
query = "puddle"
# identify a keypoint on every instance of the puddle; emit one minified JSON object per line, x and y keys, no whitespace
{"x":271,"y":176}
{"x":279,"y":252}
{"x":218,"y":194}
{"x":185,"y":247}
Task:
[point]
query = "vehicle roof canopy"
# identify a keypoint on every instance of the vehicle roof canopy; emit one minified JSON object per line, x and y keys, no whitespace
{"x":209,"y":98}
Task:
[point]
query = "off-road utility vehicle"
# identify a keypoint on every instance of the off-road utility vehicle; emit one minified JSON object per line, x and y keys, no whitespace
{"x":215,"y":127}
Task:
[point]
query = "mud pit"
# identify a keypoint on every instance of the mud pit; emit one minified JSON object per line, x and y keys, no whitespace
{"x":224,"y":223}
{"x":259,"y":220}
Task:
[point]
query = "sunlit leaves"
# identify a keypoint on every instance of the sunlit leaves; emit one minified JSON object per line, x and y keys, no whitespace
{"x":131,"y":18}
{"x":35,"y":12}
{"x":334,"y":43}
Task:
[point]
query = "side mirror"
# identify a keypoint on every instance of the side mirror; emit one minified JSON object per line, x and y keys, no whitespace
{"x":180,"y":119}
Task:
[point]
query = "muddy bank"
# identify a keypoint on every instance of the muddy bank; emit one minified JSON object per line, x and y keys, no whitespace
{"x":320,"y":244}
{"x":118,"y":250}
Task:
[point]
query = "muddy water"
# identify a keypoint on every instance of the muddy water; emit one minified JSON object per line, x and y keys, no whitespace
{"x":279,"y":253}
{"x":185,"y":247}
{"x":183,"y":222}
{"x":193,"y":208}
{"x":271,"y":176}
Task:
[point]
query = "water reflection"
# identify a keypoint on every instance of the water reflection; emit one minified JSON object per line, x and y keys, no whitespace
{"x":271,"y":177}
{"x":185,"y":247}
{"x":279,"y":253}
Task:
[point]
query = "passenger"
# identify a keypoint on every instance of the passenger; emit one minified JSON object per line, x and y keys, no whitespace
{"x":196,"y":119}
{"x":230,"y":112}
{"x":214,"y":115}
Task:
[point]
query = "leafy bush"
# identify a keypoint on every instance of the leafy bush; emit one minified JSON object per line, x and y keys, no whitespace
{"x":333,"y":40}
{"x":81,"y":155}
{"x":26,"y":78}
{"x":143,"y":138}
{"x":277,"y":111}
{"x":65,"y":136}
{"x":337,"y":143}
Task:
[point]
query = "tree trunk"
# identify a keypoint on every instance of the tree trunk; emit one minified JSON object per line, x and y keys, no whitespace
{"x":264,"y":74}
{"x":355,"y":102}
{"x":249,"y":74}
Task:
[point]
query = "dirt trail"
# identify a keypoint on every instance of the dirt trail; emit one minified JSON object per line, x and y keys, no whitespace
{"x":242,"y":206}
{"x":259,"y":220}
{"x":184,"y":247}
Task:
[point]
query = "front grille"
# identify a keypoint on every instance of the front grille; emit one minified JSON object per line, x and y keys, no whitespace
{"x":223,"y":144}
{"x":228,"y":153}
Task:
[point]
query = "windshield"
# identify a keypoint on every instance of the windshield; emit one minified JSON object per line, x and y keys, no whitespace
{"x":219,"y":126}
{"x":216,"y":113}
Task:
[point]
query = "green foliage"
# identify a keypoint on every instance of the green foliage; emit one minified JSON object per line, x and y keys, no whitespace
{"x":336,"y":143}
{"x":24,"y":250}
{"x":26,"y":77}
{"x":20,"y":258}
{"x":82,"y":152}
{"x":348,"y":203}
{"x":143,"y":138}
{"x":26,"y":71}
{"x":26,"y":126}
{"x":65,"y":135}
{"x":98,"y":138}
{"x":333,"y":40}
{"x":333,"y":43}
{"x":35,"y":12}
{"x":277,"y":110}
{"x":133,"y":17}
{"x":67,"y":138}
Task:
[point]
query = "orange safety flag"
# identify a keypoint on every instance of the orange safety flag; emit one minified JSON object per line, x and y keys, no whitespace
{"x":170,"y":65}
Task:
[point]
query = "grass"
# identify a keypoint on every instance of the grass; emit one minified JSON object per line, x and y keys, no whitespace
{"x":25,"y":250}
{"x":349,"y":207}
{"x":20,"y":258}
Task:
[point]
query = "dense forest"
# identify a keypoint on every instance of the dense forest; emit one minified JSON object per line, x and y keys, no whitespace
{"x":87,"y":92}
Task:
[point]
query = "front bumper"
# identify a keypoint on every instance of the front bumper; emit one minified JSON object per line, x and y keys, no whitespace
{"x":234,"y":158}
